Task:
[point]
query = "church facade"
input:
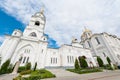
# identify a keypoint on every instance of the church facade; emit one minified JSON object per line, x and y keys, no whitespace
{"x":103,"y":45}
{"x":32,"y":46}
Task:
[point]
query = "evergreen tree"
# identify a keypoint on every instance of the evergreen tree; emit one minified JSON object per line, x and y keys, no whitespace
{"x":4,"y":67}
{"x":35,"y":66}
{"x":109,"y":61}
{"x":100,"y":62}
{"x":76,"y":64}
{"x":83,"y":62}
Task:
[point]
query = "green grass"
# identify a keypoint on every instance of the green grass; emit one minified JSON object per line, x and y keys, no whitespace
{"x":35,"y":75}
{"x":83,"y":71}
{"x":43,"y":73}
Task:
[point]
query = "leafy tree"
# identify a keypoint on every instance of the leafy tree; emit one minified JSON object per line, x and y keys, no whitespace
{"x":4,"y":67}
{"x":28,"y":66}
{"x":76,"y":64}
{"x":109,"y":61}
{"x":100,"y":62}
{"x":83,"y":62}
{"x":35,"y":66}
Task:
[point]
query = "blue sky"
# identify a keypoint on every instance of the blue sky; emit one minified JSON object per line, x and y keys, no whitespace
{"x":9,"y":23}
{"x":64,"y":18}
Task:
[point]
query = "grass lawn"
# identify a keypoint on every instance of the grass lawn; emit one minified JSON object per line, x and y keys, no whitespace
{"x":35,"y":75}
{"x":83,"y":71}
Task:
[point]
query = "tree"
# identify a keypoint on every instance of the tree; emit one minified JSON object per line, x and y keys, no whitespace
{"x":28,"y":66}
{"x":35,"y":66}
{"x":83,"y":62}
{"x":100,"y":62}
{"x":76,"y":64}
{"x":109,"y":61}
{"x":4,"y":67}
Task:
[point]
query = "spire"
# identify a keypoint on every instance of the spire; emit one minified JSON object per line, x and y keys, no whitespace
{"x":86,"y":30}
{"x":42,"y":10}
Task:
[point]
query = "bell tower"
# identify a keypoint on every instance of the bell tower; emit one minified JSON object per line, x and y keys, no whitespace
{"x":36,"y":26}
{"x":86,"y":34}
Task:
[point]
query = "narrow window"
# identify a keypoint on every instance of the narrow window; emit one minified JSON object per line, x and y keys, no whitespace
{"x":24,"y":59}
{"x":72,"y":59}
{"x":27,"y":60}
{"x":56,"y":60}
{"x":89,"y":43}
{"x":68,"y":58}
{"x":51,"y":60}
{"x":42,"y":51}
{"x":97,"y":40}
{"x":104,"y":54}
{"x":20,"y":59}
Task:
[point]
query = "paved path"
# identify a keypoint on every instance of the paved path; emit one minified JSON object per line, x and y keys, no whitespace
{"x":66,"y":75}
{"x":7,"y":76}
{"x":63,"y":75}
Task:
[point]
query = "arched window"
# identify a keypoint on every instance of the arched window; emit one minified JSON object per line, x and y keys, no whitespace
{"x":37,"y":23}
{"x":33,"y":34}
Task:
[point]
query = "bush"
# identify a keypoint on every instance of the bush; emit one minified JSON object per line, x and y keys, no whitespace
{"x":21,"y":68}
{"x":76,"y":64}
{"x":35,"y":77}
{"x":35,"y":66}
{"x":25,"y":72}
{"x":4,"y":67}
{"x":83,"y":62}
{"x":109,"y":61}
{"x":28,"y":66}
{"x":83,"y":71}
{"x":43,"y":73}
{"x":100,"y":62}
{"x":10,"y":68}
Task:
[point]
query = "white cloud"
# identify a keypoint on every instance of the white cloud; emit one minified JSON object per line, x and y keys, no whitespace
{"x":66,"y":18}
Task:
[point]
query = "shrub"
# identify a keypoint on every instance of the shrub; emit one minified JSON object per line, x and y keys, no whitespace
{"x":83,"y":62}
{"x":109,"y":61}
{"x":100,"y":62}
{"x":4,"y":67}
{"x":28,"y":66}
{"x":76,"y":64}
{"x":25,"y":72}
{"x":35,"y":77}
{"x":21,"y":68}
{"x":83,"y":71}
{"x":35,"y":66}
{"x":10,"y":68}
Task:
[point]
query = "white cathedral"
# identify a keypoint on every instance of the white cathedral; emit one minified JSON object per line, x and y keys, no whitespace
{"x":32,"y":46}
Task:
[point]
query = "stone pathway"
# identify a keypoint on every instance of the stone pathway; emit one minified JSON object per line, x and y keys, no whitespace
{"x":65,"y":75}
{"x":62,"y":74}
{"x":7,"y":76}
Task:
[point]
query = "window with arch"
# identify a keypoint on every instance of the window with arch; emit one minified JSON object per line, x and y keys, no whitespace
{"x":33,"y":34}
{"x":37,"y":23}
